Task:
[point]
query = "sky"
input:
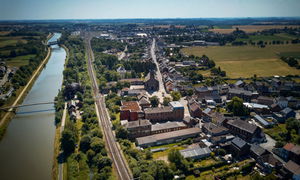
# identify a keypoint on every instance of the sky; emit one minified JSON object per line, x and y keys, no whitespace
{"x":115,"y":9}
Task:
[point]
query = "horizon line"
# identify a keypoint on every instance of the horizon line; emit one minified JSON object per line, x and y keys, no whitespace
{"x":149,"y":18}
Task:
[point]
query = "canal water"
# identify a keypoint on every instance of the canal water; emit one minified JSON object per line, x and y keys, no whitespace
{"x":26,"y":151}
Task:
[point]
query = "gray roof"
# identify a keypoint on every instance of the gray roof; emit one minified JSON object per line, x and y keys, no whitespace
{"x":169,"y":135}
{"x":257,"y":149}
{"x":176,"y":104}
{"x":238,"y":142}
{"x":133,"y":124}
{"x":167,"y":125}
{"x":261,"y":120}
{"x":214,"y":128}
{"x":194,"y":152}
{"x":243,"y":125}
{"x":286,"y":110}
{"x":240,"y":91}
{"x":158,"y":110}
{"x":292,"y":167}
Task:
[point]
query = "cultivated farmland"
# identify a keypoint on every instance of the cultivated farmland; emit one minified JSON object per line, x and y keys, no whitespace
{"x":245,"y":61}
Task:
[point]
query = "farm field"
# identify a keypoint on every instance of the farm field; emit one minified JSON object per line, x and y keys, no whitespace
{"x":250,"y":28}
{"x":245,"y":61}
{"x":19,"y":60}
{"x":269,"y":38}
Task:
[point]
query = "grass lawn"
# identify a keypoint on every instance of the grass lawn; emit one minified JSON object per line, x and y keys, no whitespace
{"x":205,"y":162}
{"x":159,"y":155}
{"x":245,"y":61}
{"x":19,"y":60}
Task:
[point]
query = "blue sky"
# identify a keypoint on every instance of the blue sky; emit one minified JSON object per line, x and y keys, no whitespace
{"x":109,"y":9}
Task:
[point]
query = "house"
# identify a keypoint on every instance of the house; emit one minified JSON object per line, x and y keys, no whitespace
{"x":265,"y":100}
{"x":241,"y":93}
{"x":239,"y":84}
{"x":151,"y":82}
{"x":194,"y":108}
{"x":292,"y":170}
{"x":144,"y":102}
{"x":256,"y":151}
{"x":288,"y":113}
{"x":122,"y":71}
{"x":239,"y":147}
{"x":130,"y":110}
{"x":201,"y":92}
{"x":267,"y":163}
{"x":282,"y":102}
{"x":248,"y":132}
{"x":196,"y":152}
{"x":291,"y":152}
{"x":214,"y":130}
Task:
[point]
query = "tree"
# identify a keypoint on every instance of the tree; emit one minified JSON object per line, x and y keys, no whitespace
{"x":85,"y":142}
{"x":178,"y":160}
{"x":146,"y":176}
{"x":154,"y":101}
{"x":166,"y":101}
{"x":175,"y":95}
{"x":97,"y":144}
{"x":68,"y":141}
{"x":292,"y":123}
{"x":237,"y":107}
{"x":121,"y":132}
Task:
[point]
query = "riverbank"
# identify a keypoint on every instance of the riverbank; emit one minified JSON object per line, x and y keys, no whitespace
{"x":58,"y":130}
{"x":21,"y":94}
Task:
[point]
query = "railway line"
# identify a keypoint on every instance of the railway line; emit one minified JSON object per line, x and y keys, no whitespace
{"x":104,"y":121}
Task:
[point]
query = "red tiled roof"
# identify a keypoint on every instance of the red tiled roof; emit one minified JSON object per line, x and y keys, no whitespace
{"x":130,"y":105}
{"x":289,"y":146}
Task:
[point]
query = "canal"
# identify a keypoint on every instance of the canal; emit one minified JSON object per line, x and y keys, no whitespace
{"x":26,"y":150}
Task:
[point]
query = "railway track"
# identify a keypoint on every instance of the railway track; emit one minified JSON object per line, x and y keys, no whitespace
{"x":104,"y":120}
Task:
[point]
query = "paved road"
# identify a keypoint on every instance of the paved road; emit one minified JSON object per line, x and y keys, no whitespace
{"x":123,"y":54}
{"x":161,"y":93}
{"x":104,"y":121}
{"x":62,"y":127}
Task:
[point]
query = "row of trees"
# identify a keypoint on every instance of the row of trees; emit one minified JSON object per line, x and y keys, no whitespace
{"x":83,"y":146}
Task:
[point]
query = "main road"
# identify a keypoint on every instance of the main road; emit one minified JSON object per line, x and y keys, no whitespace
{"x":161,"y":93}
{"x":115,"y":152}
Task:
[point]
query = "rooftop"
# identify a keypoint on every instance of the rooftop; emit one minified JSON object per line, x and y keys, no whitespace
{"x":292,"y":167}
{"x":130,"y":105}
{"x":158,"y":110}
{"x":238,"y":142}
{"x":197,"y":151}
{"x":167,"y":125}
{"x":138,"y":123}
{"x":176,"y":104}
{"x":243,"y":125}
{"x":169,"y":135}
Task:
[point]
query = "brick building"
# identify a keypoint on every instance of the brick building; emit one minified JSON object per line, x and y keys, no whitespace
{"x":138,"y":128}
{"x":130,"y":111}
{"x":175,"y":111}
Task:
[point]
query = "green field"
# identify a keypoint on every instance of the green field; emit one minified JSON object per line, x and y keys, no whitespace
{"x":275,"y":37}
{"x":19,"y":60}
{"x":10,"y":41}
{"x":245,"y":61}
